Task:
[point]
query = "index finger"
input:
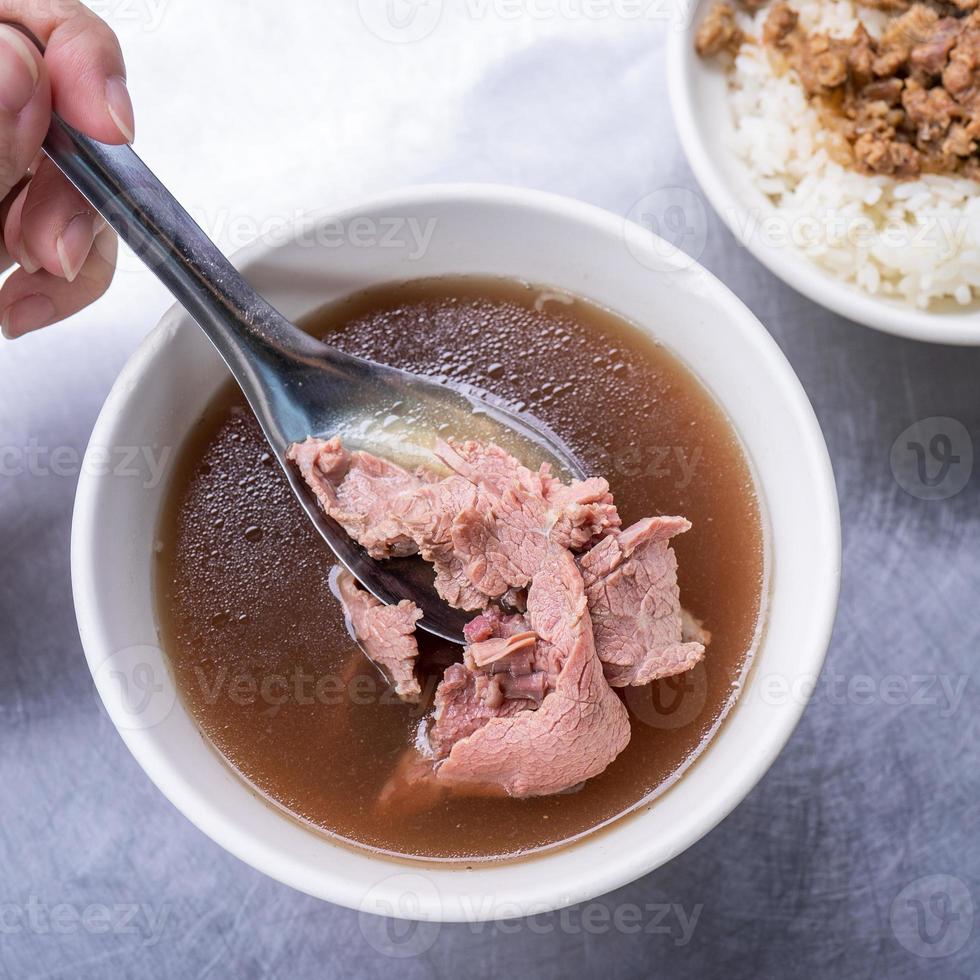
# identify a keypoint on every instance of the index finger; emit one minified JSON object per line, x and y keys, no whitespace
{"x":85,"y":64}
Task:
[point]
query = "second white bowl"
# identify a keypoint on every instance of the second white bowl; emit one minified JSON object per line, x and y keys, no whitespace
{"x":699,"y":100}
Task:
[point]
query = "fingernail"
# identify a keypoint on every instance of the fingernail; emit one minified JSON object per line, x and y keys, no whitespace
{"x":18,"y":70}
{"x":27,"y":314}
{"x":27,"y":261}
{"x":74,"y":244}
{"x":120,"y":107}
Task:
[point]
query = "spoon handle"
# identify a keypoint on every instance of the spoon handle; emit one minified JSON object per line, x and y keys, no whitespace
{"x":147,"y":217}
{"x":259,"y":345}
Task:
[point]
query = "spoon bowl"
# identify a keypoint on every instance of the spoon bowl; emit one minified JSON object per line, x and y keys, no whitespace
{"x":400,"y":416}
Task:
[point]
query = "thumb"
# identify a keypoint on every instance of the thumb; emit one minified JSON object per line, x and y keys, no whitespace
{"x":25,"y":106}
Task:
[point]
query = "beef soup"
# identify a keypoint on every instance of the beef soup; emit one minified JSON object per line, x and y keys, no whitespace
{"x":259,"y":646}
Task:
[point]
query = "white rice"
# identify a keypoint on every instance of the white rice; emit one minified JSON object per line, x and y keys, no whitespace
{"x":917,"y":241}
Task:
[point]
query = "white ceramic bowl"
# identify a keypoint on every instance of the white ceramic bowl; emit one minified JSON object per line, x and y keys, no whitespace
{"x":495,"y":232}
{"x":699,"y":102}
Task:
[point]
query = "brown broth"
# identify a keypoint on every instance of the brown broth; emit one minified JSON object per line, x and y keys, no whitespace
{"x":258,"y":644}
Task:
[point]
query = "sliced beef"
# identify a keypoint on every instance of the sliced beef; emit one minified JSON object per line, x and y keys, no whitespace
{"x":581,"y":513}
{"x":517,"y":513}
{"x":634,"y":601}
{"x":484,"y":527}
{"x":412,"y":787}
{"x":494,"y":623}
{"x":579,"y":727}
{"x":500,"y":541}
{"x":506,"y":650}
{"x":501,"y":651}
{"x":512,"y":667}
{"x":466,"y":700}
{"x":429,"y":516}
{"x":530,"y":710}
{"x":390,"y":511}
{"x":360,"y":492}
{"x":385,"y":633}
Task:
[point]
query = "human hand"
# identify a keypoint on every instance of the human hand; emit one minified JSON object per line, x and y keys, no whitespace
{"x":65,"y":252}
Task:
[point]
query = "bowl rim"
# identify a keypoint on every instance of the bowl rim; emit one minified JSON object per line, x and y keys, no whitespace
{"x":789,"y":264}
{"x":617,"y":868}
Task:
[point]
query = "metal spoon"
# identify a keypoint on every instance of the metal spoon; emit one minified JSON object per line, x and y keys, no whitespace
{"x":296,"y":385}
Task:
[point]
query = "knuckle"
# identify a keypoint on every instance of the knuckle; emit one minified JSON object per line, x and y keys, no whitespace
{"x":11,"y":170}
{"x":83,"y":32}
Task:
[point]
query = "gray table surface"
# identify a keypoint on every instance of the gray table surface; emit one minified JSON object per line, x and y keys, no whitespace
{"x":857,"y":855}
